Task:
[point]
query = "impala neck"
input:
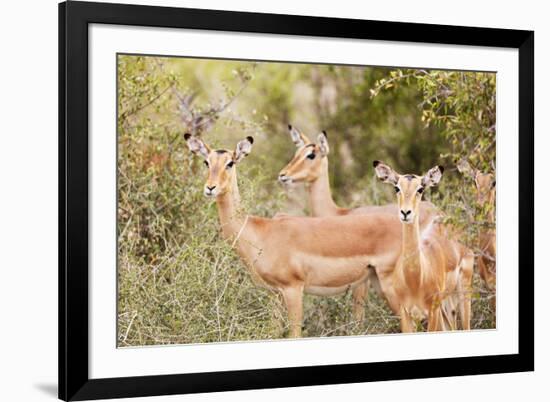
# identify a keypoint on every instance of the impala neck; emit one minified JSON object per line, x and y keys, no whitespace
{"x":410,"y":249}
{"x":320,"y":196}
{"x":231,"y":217}
{"x":237,"y":227}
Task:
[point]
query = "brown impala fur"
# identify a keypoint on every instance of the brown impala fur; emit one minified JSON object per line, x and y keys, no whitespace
{"x":485,"y":195}
{"x":321,"y":256}
{"x":310,"y":165}
{"x":433,"y":273}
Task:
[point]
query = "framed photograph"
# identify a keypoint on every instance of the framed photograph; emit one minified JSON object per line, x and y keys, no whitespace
{"x":258,"y":201}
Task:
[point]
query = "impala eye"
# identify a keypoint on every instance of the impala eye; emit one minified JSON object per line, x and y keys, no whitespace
{"x":396,"y":189}
{"x":206,"y":163}
{"x":311,"y":155}
{"x":230,"y":165}
{"x":420,"y":190}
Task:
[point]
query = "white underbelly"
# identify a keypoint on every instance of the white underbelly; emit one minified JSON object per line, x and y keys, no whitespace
{"x":330,"y":291}
{"x":333,"y":275}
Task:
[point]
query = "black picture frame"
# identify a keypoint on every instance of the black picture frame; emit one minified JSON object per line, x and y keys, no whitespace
{"x":74,"y":18}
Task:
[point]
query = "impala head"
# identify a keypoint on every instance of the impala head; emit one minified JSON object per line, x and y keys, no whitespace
{"x":220,"y":163}
{"x":306,"y":164}
{"x":485,"y":182}
{"x":485,"y":185}
{"x":408,"y":188}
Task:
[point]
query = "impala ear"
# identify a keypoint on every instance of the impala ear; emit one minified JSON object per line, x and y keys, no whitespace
{"x":243,"y":148}
{"x":196,"y":145}
{"x":297,"y":137}
{"x":433,"y":176}
{"x":385,"y":173}
{"x":323,"y":143}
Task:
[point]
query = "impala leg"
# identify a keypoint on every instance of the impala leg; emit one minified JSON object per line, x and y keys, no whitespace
{"x":484,"y":273}
{"x":293,"y":298}
{"x":483,"y":270}
{"x":392,"y":300}
{"x":491,"y":279}
{"x":448,"y":310}
{"x":360,"y":296}
{"x":384,"y":287}
{"x":407,"y":324}
{"x":435,"y":317}
{"x":465,"y":290}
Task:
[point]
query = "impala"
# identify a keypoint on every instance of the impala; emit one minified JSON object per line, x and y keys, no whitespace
{"x":485,"y":196}
{"x":293,"y":255}
{"x":433,"y":273}
{"x":310,"y":165}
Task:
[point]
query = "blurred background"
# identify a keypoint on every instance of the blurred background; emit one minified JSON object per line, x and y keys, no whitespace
{"x":178,"y":281}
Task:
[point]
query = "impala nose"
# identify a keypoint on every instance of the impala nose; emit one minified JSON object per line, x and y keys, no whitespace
{"x":283,"y":178}
{"x":405,"y":214}
{"x":209,"y":190}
